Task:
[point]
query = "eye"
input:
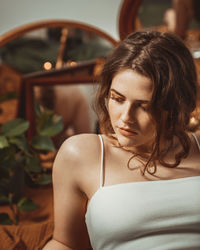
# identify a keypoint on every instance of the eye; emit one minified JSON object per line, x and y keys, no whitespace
{"x":144,"y":107}
{"x":117,"y":99}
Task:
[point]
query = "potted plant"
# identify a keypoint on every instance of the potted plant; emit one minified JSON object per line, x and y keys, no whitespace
{"x":20,"y":161}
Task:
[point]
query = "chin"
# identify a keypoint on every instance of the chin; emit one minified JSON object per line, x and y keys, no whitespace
{"x":136,"y":141}
{"x":127,"y":141}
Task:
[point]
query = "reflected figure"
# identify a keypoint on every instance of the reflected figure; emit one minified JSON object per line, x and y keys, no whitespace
{"x":178,"y":18}
{"x":70,"y":103}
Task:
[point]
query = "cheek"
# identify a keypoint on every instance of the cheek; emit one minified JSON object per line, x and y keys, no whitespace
{"x":145,"y":122}
{"x":113,"y":111}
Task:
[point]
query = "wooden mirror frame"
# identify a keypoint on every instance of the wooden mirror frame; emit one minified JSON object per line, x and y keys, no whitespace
{"x":19,"y":31}
{"x":51,"y":77}
{"x":128,"y":17}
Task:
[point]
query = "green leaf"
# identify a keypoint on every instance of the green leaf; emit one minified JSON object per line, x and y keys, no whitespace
{"x":26,"y":205}
{"x":43,"y":143}
{"x":45,"y":113}
{"x":8,"y":157}
{"x":20,"y":142}
{"x":4,"y":199}
{"x":43,"y":119}
{"x":5,"y":219}
{"x":33,"y":164}
{"x":8,"y":96}
{"x":17,"y":182}
{"x":15,"y":127}
{"x":7,"y":152}
{"x":4,"y":187}
{"x":4,"y":171}
{"x":37,"y":109}
{"x":53,"y":127}
{"x":10,"y":164}
{"x":44,"y":179}
{"x":3,"y":142}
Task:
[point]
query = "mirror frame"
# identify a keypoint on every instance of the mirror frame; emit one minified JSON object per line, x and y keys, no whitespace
{"x":55,"y":23}
{"x":51,"y":77}
{"x":128,"y":16}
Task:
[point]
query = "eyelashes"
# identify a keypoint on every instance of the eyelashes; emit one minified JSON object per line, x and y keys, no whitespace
{"x":117,"y":99}
{"x":145,"y":108}
{"x":120,"y":100}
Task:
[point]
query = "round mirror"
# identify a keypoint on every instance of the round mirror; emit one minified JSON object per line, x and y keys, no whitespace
{"x":55,"y":46}
{"x":178,"y":16}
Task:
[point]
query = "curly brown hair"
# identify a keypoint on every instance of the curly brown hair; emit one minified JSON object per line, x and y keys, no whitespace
{"x":163,"y":58}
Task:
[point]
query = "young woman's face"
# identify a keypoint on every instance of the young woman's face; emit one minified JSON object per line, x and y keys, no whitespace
{"x":129,"y":98}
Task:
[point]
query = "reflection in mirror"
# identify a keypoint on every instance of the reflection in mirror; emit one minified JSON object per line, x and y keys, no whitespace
{"x":10,"y":87}
{"x":74,"y":104}
{"x":178,"y":16}
{"x":151,"y":12}
{"x":50,"y":48}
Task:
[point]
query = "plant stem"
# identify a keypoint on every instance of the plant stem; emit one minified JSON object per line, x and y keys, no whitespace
{"x":17,"y":214}
{"x":13,"y":208}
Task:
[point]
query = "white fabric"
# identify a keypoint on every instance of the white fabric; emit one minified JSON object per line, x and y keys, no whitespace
{"x":153,"y":215}
{"x":198,"y":145}
{"x":101,"y":168}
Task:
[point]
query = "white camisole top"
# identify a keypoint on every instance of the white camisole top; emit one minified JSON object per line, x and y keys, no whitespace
{"x":153,"y":215}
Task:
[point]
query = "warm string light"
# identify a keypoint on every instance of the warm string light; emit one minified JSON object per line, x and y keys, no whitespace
{"x":71,"y":63}
{"x":47,"y":65}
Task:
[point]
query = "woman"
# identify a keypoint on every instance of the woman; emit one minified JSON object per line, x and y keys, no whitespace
{"x":137,"y":185}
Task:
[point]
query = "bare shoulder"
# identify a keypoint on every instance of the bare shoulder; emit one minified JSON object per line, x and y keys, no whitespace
{"x":77,"y":154}
{"x":71,"y":181}
{"x":80,"y":146}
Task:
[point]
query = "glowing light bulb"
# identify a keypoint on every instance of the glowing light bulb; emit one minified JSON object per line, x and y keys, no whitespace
{"x":72,"y":63}
{"x":47,"y":65}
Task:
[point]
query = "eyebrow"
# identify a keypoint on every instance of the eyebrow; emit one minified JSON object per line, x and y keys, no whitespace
{"x":116,"y":92}
{"x":139,"y":101}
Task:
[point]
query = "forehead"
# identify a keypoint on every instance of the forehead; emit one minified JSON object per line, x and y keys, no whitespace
{"x":132,"y":84}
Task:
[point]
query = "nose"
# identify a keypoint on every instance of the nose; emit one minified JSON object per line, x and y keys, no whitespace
{"x":128,"y":115}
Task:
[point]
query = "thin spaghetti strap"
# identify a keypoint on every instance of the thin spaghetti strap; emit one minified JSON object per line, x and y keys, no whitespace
{"x":198,"y":144}
{"x":102,"y":156}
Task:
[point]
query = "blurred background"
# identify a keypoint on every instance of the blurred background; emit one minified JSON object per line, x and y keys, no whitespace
{"x":51,"y":56}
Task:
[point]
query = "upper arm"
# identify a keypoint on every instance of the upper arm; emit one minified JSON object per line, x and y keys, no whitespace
{"x":69,"y":201}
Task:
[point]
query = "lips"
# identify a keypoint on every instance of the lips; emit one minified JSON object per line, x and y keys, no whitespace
{"x":127,"y":132}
